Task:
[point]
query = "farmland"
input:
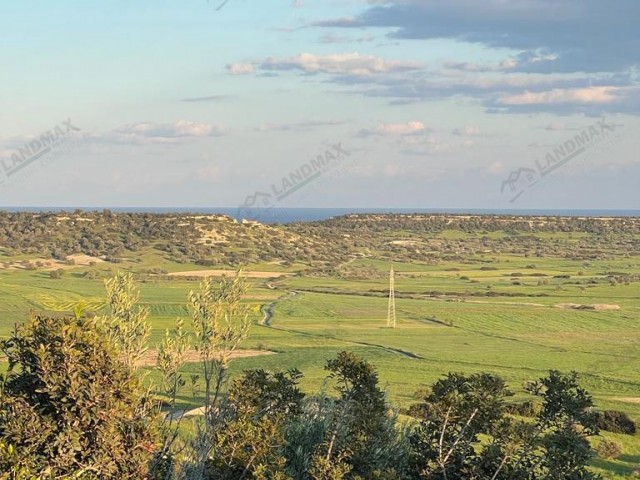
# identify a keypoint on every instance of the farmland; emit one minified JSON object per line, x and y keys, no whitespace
{"x":476,"y":296}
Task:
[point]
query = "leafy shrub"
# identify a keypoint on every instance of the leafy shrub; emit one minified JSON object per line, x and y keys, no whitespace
{"x":70,"y":406}
{"x":250,"y":441}
{"x":615,"y":422}
{"x":8,"y":469}
{"x":608,"y":449}
{"x":464,"y":432}
{"x":56,"y":274}
{"x":370,"y":441}
{"x":206,"y":262}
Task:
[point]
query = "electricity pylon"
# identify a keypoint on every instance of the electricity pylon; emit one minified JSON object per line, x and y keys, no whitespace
{"x":391,"y":312}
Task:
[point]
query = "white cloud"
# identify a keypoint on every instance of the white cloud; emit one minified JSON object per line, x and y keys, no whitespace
{"x":563,"y":95}
{"x":474,"y":67}
{"x":151,"y":132}
{"x":396,"y":129}
{"x":240,"y":68}
{"x":339,"y":64}
{"x":297,"y":126}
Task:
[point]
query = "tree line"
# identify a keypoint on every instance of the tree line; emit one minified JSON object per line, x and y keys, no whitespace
{"x":205,"y":239}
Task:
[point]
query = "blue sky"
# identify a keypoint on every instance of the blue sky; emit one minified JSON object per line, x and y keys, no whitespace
{"x":438,"y":102}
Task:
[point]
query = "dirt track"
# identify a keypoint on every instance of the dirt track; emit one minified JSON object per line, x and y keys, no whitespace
{"x":231,"y":273}
{"x":597,"y":306}
{"x":150,"y":356}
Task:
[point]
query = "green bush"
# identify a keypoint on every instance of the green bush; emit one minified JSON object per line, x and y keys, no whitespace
{"x":8,"y":469}
{"x":70,"y":406}
{"x":615,"y":422}
{"x":250,"y":441}
{"x":56,"y":274}
{"x":465,"y":433}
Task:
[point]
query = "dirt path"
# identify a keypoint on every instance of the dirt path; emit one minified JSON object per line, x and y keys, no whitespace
{"x":596,"y":306}
{"x":150,"y":356}
{"x":231,"y":273}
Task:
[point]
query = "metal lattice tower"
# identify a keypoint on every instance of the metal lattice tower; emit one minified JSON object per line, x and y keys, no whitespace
{"x":391,"y":312}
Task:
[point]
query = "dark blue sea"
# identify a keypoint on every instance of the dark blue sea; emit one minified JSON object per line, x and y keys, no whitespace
{"x":290,"y":215}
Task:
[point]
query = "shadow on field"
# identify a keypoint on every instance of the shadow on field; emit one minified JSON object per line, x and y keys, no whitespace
{"x":624,"y":465}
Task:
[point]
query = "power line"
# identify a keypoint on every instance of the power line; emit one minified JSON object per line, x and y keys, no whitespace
{"x":391,"y":311}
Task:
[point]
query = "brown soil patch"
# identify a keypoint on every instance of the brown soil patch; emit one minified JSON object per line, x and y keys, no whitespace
{"x":519,"y":304}
{"x":596,"y":306}
{"x":628,"y":400}
{"x":85,"y":260}
{"x":196,"y":412}
{"x":150,"y":356}
{"x":47,"y":264}
{"x":231,"y":273}
{"x":191,"y":356}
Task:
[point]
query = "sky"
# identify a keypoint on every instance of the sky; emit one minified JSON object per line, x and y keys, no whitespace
{"x":530,"y":104}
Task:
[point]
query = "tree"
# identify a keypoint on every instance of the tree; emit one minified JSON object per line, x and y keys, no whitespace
{"x":220,"y":323}
{"x":465,"y":432}
{"x":454,"y":414}
{"x":251,"y":442}
{"x":362,"y":433}
{"x":171,"y":359}
{"x":564,"y":425}
{"x":70,"y":406}
{"x":125,"y":322}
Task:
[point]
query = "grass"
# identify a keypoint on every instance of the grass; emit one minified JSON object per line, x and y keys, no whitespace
{"x":446,"y":321}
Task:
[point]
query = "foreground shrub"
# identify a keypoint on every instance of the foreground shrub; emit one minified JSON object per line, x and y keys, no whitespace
{"x":270,"y":430}
{"x":454,"y":415}
{"x":8,"y":468}
{"x":362,"y":433}
{"x":70,"y":406}
{"x":465,"y":431}
{"x":250,"y":442}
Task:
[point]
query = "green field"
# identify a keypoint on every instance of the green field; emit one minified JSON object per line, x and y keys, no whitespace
{"x":452,"y":315}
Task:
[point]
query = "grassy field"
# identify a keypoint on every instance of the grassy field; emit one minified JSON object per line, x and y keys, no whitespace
{"x":497,"y":313}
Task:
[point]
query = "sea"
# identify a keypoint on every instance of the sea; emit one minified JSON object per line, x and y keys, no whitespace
{"x":291,"y":215}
